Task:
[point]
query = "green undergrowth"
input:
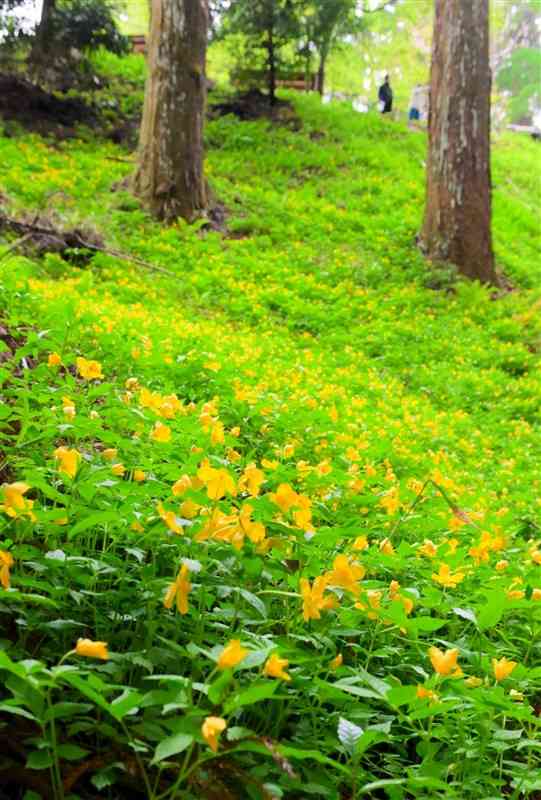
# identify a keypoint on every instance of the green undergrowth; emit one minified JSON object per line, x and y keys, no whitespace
{"x":306,"y":400}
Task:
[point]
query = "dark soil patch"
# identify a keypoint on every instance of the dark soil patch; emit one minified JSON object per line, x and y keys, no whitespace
{"x":254,"y":105}
{"x":41,"y":112}
{"x":126,"y":132}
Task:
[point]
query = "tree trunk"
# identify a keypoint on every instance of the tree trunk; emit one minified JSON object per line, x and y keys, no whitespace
{"x":169,"y":179}
{"x":321,"y":73}
{"x":272,"y":67}
{"x":43,"y":38}
{"x":457,"y":224}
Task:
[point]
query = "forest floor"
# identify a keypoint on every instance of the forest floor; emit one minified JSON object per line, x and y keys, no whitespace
{"x":319,"y":450}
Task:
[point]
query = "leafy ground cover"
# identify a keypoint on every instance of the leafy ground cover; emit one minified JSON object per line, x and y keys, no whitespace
{"x":270,"y":528}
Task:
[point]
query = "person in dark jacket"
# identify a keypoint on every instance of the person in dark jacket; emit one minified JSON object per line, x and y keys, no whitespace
{"x":385,"y":96}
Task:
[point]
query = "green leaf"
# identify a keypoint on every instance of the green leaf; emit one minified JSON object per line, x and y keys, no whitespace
{"x":379,"y":686}
{"x":217,"y":689}
{"x":11,"y":666}
{"x":39,"y":759}
{"x":401,"y":695}
{"x":79,"y":683}
{"x":428,"y":624}
{"x":466,"y":613}
{"x":172,"y":746}
{"x":357,"y":691}
{"x":247,"y":697}
{"x":65,"y":710}
{"x":17,"y":711}
{"x":71,"y":752}
{"x":312,"y":755}
{"x":29,"y":599}
{"x":254,"y":601}
{"x":371,"y":787}
{"x":127,"y":701}
{"x":94,"y":520}
{"x":490,"y":614}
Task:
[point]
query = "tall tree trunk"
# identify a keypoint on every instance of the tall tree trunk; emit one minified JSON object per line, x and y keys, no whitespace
{"x":169,"y":179}
{"x":321,"y":72}
{"x":457,"y":224}
{"x":43,"y":33}
{"x":272,"y":67}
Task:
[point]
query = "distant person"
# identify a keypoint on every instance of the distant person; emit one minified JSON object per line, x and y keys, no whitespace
{"x":416,"y":104}
{"x":385,"y":96}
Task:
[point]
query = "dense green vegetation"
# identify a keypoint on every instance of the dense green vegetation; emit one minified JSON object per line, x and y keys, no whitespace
{"x":333,"y":444}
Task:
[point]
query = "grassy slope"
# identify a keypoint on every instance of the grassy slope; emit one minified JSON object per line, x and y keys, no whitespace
{"x":316,"y":328}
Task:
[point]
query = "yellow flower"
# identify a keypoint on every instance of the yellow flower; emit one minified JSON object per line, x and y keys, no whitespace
{"x":337,"y":661}
{"x":427,"y":694}
{"x":503,"y":668}
{"x":90,"y":370}
{"x":272,"y":465}
{"x":386,"y":546}
{"x":323,"y":468}
{"x":473,"y":682}
{"x":110,"y":453}
{"x":251,"y":480}
{"x":90,"y":649}
{"x":6,"y":562}
{"x":218,"y":482}
{"x":118,"y":469}
{"x":303,"y":515}
{"x":390,"y":501}
{"x":170,"y":519}
{"x":501,"y":565}
{"x":212,"y":727}
{"x":217,"y":433}
{"x":452,"y":545}
{"x":536,"y":594}
{"x":447,"y":578}
{"x":232,"y":654}
{"x":275,"y":667}
{"x":360,"y":543}
{"x":346,"y":575}
{"x":443,"y":663}
{"x":255,"y":531}
{"x":15,"y":504}
{"x":54,"y":360}
{"x":180,"y":590}
{"x":69,"y":460}
{"x":313,"y":600}
{"x":161,"y":433}
{"x":285,"y":497}
{"x":182,"y":485}
{"x":139,"y":475}
{"x":428,"y":548}
{"x":189,"y":509}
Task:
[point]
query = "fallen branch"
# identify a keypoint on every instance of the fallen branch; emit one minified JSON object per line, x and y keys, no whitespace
{"x":15,"y":245}
{"x":73,"y":239}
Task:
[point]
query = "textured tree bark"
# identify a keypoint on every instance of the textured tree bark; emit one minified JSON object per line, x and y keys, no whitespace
{"x":42,"y":39}
{"x":457,"y":224}
{"x":170,"y":179}
{"x":321,"y":72}
{"x":272,"y":66}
